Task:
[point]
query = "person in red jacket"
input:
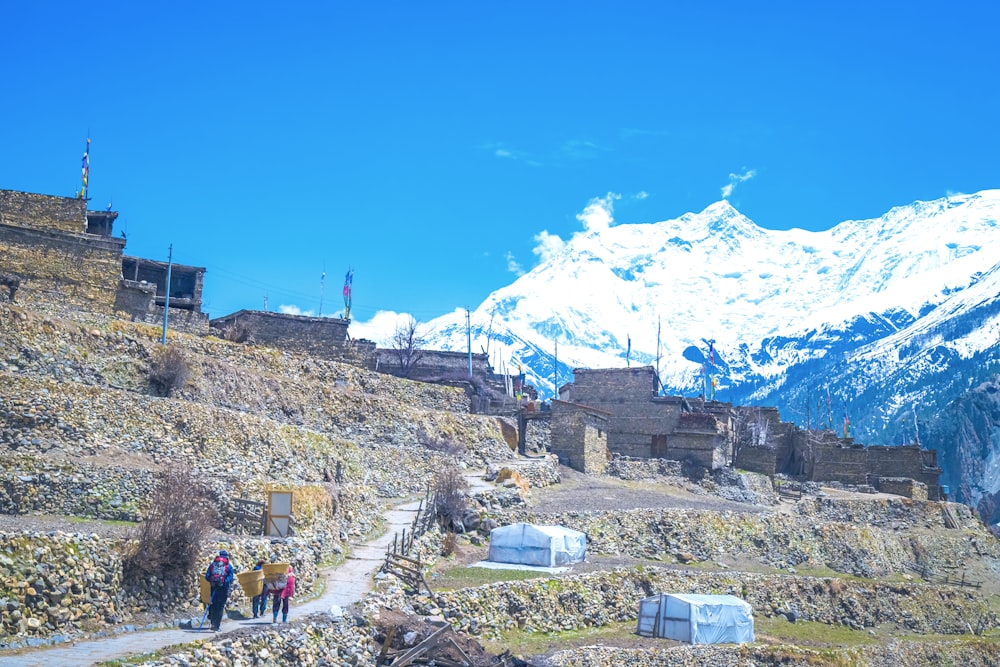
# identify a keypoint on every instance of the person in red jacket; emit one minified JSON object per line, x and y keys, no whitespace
{"x":282,"y":595}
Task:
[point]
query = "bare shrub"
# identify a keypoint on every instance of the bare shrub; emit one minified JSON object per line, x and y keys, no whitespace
{"x":450,"y":500}
{"x":169,"y":369}
{"x":449,"y":544}
{"x":168,"y":541}
{"x":439,"y":443}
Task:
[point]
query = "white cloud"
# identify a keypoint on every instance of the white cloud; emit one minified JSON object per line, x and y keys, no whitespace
{"x":642,"y":194}
{"x":503,"y":152}
{"x":736,"y":179}
{"x":548,"y":245}
{"x":513,"y":265}
{"x":599,"y":213}
{"x":380,"y":327}
{"x":292,"y":309}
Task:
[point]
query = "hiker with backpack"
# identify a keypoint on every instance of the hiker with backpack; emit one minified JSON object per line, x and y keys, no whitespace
{"x":282,"y":589}
{"x":220,"y":575}
{"x":259,"y":603}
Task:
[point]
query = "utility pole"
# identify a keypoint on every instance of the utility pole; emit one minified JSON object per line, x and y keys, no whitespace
{"x":658,"y":383}
{"x":321,"y":279}
{"x":468,"y":338}
{"x":265,"y":302}
{"x":555,"y":373}
{"x":166,"y":292}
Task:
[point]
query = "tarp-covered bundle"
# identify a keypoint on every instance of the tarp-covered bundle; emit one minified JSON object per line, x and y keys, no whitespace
{"x":543,"y":546}
{"x":698,"y":619}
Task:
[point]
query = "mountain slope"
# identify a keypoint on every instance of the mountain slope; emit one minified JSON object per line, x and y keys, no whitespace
{"x":890,"y":317}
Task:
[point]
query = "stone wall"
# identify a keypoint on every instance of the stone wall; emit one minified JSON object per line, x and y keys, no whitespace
{"x":45,"y":212}
{"x":435,"y":364}
{"x":135,"y":299}
{"x":324,"y":337}
{"x":757,"y":459}
{"x":699,"y":438}
{"x":181,"y":319}
{"x":642,"y":468}
{"x":902,"y":486}
{"x":62,"y":271}
{"x":579,"y":437}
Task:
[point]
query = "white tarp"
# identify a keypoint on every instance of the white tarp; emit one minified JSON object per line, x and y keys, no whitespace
{"x":544,"y":546}
{"x":698,"y":619}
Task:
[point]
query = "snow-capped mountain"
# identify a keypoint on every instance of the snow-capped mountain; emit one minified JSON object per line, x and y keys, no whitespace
{"x":870,"y":318}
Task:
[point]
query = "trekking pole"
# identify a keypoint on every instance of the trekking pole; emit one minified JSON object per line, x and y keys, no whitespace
{"x":207,"y":609}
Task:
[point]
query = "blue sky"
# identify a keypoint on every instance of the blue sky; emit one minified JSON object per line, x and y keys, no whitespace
{"x":432,"y":146}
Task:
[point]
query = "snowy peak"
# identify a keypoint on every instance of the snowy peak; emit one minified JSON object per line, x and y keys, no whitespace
{"x":716,"y":275}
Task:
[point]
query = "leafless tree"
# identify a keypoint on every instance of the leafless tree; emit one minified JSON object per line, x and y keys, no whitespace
{"x":407,"y":341}
{"x":750,"y":429}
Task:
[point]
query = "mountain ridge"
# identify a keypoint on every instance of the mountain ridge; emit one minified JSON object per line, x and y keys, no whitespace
{"x":869,"y":311}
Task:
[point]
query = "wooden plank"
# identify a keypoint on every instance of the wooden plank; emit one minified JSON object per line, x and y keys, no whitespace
{"x":385,"y":646}
{"x":465,"y":657}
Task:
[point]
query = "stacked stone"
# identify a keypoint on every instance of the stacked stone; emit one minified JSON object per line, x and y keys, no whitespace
{"x":780,"y":541}
{"x":58,"y":583}
{"x":30,"y":483}
{"x":573,"y":603}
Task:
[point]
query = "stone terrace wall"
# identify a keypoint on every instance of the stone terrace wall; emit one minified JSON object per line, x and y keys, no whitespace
{"x":60,"y":583}
{"x":323,"y":337}
{"x":25,"y":209}
{"x":858,"y":538}
{"x":61,"y":271}
{"x":37,"y":484}
{"x":593,"y":600}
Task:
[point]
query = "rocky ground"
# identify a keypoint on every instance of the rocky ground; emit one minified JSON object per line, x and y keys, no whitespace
{"x":84,"y":443}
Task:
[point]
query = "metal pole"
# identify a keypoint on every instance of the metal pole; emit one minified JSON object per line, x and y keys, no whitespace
{"x":166,"y":292}
{"x":468,"y":336}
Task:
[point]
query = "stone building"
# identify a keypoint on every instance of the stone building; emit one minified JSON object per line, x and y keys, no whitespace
{"x":63,"y":254}
{"x":579,"y":436}
{"x":142,"y":294}
{"x":67,"y":259}
{"x":643,"y":425}
{"x":713,"y":434}
{"x":324,"y":337}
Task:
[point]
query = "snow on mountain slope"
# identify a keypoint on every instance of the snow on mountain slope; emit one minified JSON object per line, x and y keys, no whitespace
{"x":770,"y":299}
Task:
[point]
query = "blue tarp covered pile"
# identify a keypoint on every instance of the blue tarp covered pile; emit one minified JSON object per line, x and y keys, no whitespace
{"x":542,"y":546}
{"x":698,"y":619}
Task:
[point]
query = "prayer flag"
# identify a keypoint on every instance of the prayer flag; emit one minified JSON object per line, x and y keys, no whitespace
{"x":86,"y":163}
{"x":348,"y":280}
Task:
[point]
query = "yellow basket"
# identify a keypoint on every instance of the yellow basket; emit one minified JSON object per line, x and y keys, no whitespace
{"x":274,"y":570}
{"x":205,"y":589}
{"x":252,"y":582}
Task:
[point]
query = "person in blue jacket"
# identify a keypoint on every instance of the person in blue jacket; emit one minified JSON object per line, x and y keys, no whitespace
{"x":260,"y":601}
{"x":220,"y":575}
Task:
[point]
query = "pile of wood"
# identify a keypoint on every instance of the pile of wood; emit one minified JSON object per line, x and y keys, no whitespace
{"x":411,"y":640}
